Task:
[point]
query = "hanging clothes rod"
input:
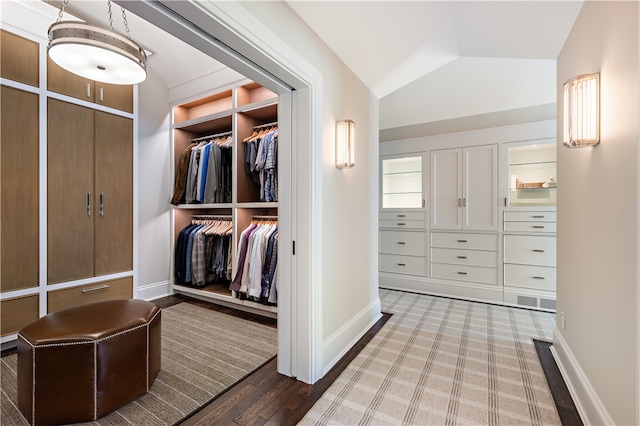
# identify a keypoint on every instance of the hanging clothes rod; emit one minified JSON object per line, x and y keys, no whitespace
{"x":217,"y":135}
{"x":264,"y":217}
{"x":260,"y":126}
{"x":211,"y":216}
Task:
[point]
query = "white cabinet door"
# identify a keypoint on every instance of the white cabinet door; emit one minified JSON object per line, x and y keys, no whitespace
{"x":464,"y":188}
{"x":480,"y":198}
{"x":446,"y":189}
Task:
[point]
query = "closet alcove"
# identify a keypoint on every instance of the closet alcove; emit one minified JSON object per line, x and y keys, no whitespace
{"x":241,"y":122}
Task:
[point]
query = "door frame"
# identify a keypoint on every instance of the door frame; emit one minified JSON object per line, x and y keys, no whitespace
{"x":231,"y":35}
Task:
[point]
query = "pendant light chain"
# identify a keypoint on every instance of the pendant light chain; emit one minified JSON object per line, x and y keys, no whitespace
{"x":110,"y":15}
{"x":62,"y":9}
{"x":126,"y":24}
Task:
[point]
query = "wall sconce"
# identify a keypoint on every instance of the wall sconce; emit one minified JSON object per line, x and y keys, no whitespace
{"x":345,"y":142}
{"x":582,"y":111}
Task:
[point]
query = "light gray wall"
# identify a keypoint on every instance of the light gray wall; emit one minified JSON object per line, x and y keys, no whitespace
{"x":598,"y":214}
{"x":154,"y":180}
{"x":349,"y":198}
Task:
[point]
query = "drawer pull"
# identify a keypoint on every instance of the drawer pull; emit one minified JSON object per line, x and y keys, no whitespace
{"x":538,"y":250}
{"x":402,"y":215}
{"x":538,"y":278}
{"x":401,"y":224}
{"x":538,"y":217}
{"x":402,"y":264}
{"x":401,"y":242}
{"x":462,"y":257}
{"x":462,"y":273}
{"x":462,"y":241}
{"x":538,"y":227}
{"x":100,"y":287}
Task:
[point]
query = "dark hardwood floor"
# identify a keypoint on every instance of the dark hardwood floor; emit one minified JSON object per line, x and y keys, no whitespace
{"x":268,"y":398}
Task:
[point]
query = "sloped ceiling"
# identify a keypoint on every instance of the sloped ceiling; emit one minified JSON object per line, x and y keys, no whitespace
{"x":389,"y":44}
{"x":400,"y":48}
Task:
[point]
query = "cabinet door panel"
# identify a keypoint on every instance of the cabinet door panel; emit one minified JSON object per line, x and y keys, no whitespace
{"x":481,"y":188}
{"x":114,"y":187}
{"x":18,"y":312}
{"x":62,"y":81}
{"x":70,"y":155}
{"x":446,"y":187}
{"x":19,"y":226}
{"x":118,"y":96}
{"x":19,"y":59}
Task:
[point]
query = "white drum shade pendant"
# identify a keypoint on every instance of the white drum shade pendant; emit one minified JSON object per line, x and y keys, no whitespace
{"x":97,"y":53}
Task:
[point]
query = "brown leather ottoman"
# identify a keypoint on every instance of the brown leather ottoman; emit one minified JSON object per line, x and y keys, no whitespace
{"x":79,"y":364}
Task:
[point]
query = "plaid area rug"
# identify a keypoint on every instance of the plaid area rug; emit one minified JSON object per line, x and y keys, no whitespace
{"x":442,"y":361}
{"x":204,"y":352}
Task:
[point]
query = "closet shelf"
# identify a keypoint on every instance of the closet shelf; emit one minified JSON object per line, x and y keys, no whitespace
{"x":221,"y":120}
{"x":203,"y":206}
{"x":248,"y":305}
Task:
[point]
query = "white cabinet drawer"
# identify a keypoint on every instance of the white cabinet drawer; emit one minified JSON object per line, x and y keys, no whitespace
{"x":403,"y":224}
{"x":530,"y":250}
{"x":465,"y":257}
{"x":529,"y":216}
{"x":409,"y":265}
{"x":464,"y":241}
{"x":403,"y":242}
{"x":530,"y":227}
{"x":475,"y":274}
{"x":403,"y":216}
{"x":535,"y":277}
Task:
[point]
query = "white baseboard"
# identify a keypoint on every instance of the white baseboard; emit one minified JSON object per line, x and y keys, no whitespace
{"x":590,"y":407}
{"x":339,"y":343}
{"x":154,"y":290}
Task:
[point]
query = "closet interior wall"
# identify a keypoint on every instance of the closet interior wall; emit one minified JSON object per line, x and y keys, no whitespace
{"x":239,"y":110}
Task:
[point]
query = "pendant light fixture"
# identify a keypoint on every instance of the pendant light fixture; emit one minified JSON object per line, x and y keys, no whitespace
{"x":97,"y":53}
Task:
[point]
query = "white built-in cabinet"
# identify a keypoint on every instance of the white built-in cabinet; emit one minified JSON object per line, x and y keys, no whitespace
{"x":464,"y":188}
{"x":486,"y":229}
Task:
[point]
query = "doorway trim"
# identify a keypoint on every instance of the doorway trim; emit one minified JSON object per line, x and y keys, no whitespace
{"x":234,"y":37}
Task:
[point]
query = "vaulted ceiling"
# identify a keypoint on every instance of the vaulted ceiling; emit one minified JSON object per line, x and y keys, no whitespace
{"x":387,"y":44}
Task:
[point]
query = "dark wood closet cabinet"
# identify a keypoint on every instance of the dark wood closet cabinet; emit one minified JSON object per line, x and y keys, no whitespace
{"x":89,"y":194}
{"x":115,"y":96}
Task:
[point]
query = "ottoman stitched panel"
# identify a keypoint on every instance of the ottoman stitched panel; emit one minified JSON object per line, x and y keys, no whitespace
{"x":79,"y":364}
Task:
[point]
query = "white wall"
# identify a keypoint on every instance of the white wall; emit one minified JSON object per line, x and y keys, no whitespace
{"x":349,"y":198}
{"x":468,"y":87}
{"x":598,"y":222}
{"x":153,"y":183}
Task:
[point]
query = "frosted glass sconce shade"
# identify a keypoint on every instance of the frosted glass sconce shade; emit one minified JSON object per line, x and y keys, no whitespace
{"x":582,"y":111}
{"x":345,"y":142}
